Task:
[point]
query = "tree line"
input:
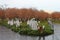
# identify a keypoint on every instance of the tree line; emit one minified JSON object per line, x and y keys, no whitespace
{"x":26,"y":14}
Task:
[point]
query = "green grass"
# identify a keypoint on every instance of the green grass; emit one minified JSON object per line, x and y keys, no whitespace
{"x":45,"y":23}
{"x":47,"y":26}
{"x":30,"y":32}
{"x":25,"y":26}
{"x":25,"y":29}
{"x":56,"y":21}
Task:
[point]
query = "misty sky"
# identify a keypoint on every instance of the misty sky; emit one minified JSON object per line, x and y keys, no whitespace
{"x":53,"y":5}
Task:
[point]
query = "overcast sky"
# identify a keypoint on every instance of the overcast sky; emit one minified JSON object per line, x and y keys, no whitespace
{"x":53,"y":5}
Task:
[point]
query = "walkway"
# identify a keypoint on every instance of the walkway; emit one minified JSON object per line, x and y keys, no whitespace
{"x":7,"y":34}
{"x":57,"y":32}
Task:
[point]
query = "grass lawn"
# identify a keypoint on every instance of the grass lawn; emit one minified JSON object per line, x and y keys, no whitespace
{"x":56,"y":21}
{"x":47,"y":26}
{"x":28,"y":31}
{"x":25,"y":29}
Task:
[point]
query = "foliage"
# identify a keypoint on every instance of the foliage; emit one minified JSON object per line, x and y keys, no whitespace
{"x":56,"y":21}
{"x":15,"y":29}
{"x":35,"y":32}
{"x":25,"y":29}
{"x":47,"y":31}
{"x":24,"y":14}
